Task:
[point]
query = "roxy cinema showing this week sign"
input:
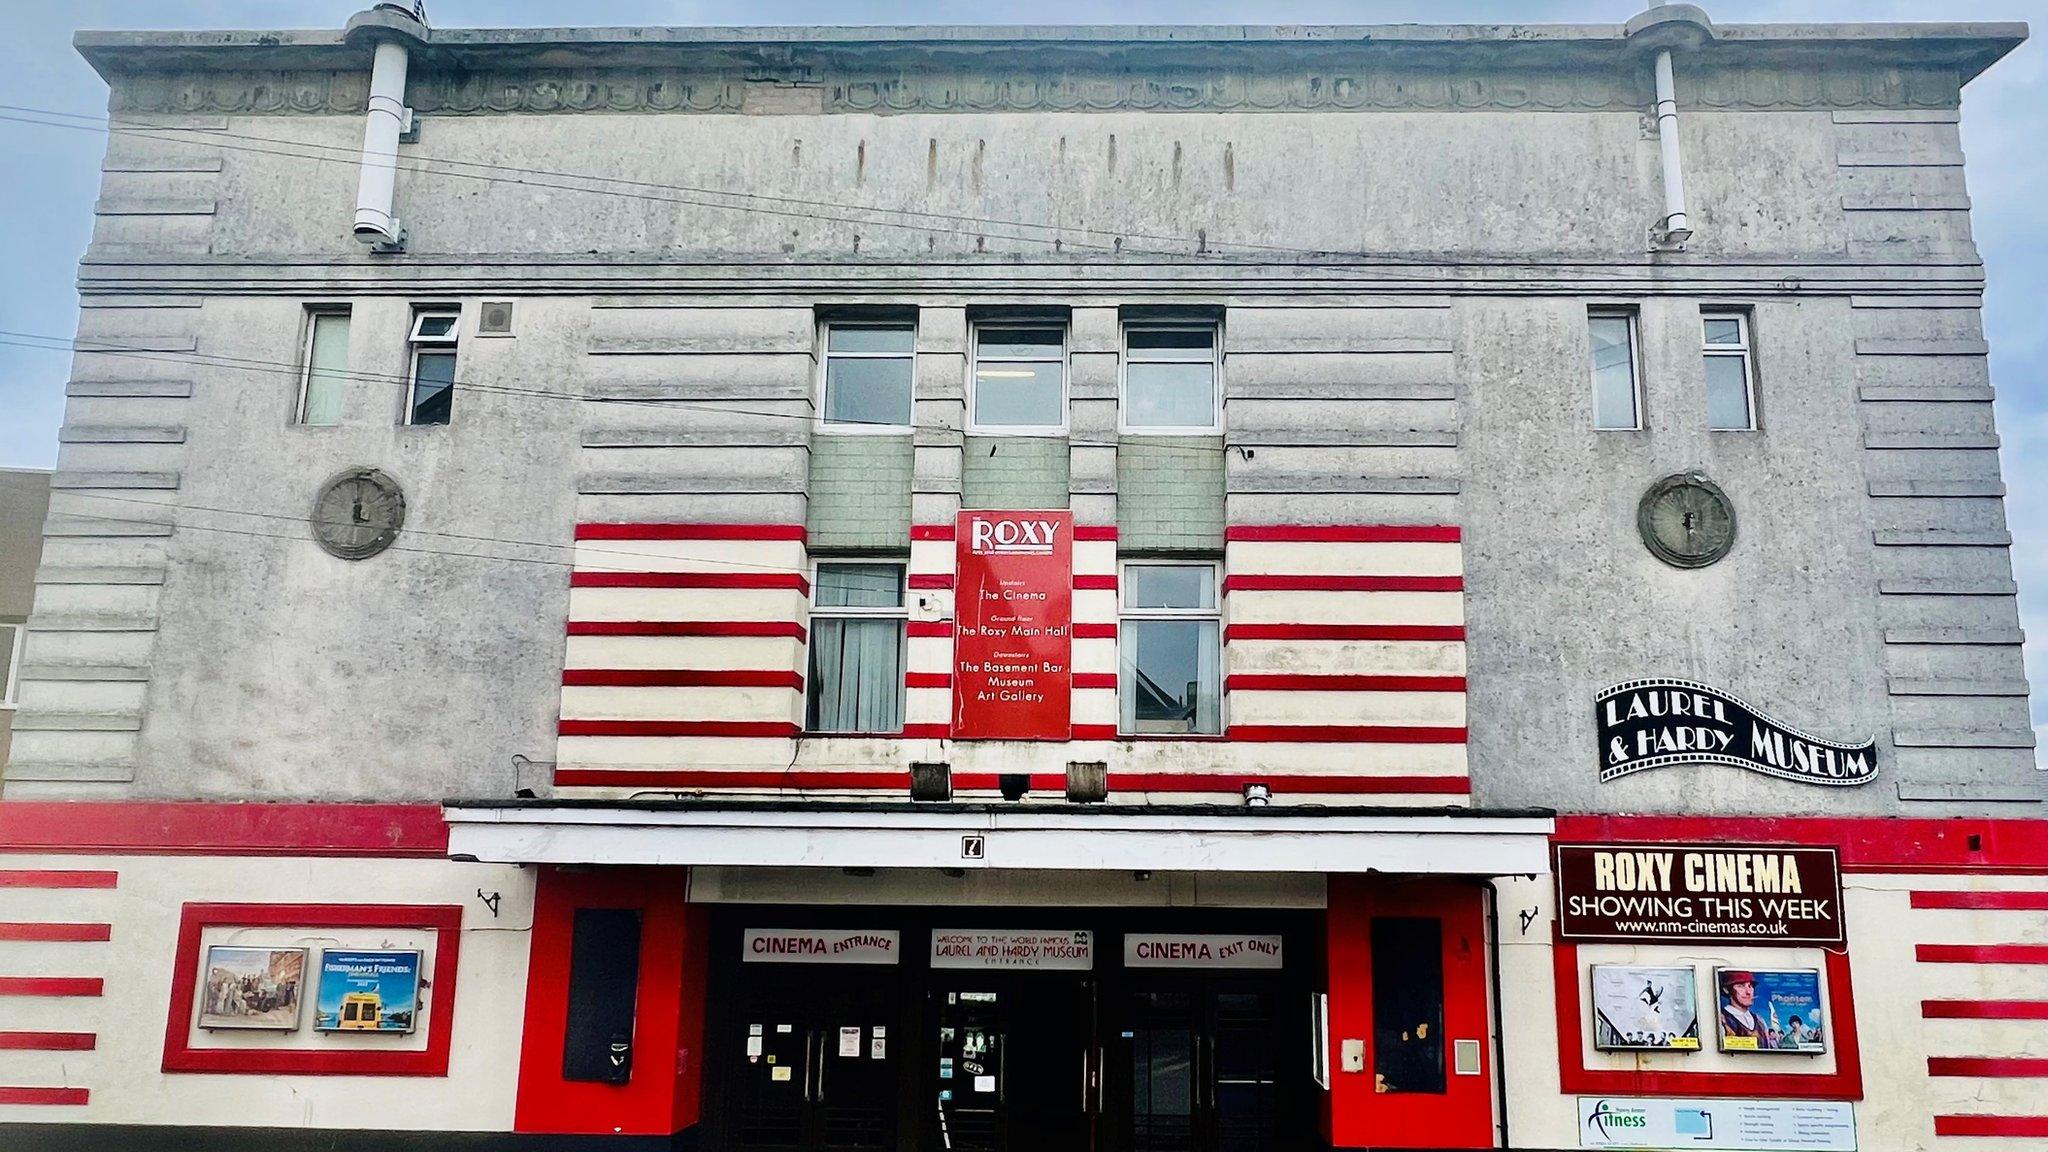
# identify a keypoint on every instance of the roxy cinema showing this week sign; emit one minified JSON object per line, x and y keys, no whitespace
{"x":1653,"y":723}
{"x":1682,"y":893}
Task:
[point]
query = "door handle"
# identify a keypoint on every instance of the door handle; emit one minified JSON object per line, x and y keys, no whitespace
{"x":807,"y":1067}
{"x":1211,"y":1077}
{"x":1101,"y":1073}
{"x":1084,"y":1080}
{"x":819,"y":1098}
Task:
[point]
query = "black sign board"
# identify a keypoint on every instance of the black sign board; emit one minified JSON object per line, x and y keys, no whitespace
{"x":1680,"y":893}
{"x":1652,"y":723}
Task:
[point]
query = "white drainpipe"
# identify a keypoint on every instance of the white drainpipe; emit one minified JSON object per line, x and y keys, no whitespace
{"x":1674,"y":230}
{"x":386,"y":121}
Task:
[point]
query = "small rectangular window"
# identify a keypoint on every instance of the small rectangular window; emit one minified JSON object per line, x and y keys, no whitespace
{"x":1408,"y":1004}
{"x":430,"y":399}
{"x":1169,"y":650}
{"x":323,"y":376}
{"x":1170,"y":380}
{"x":604,"y":985}
{"x":1019,"y":380}
{"x":868,"y":373}
{"x":1617,"y":393}
{"x":10,"y":663}
{"x":1731,"y":376}
{"x":857,"y":639}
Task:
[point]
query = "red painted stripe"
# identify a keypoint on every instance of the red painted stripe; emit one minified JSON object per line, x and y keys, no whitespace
{"x":48,"y":1041}
{"x":789,"y":628}
{"x":1290,"y":682}
{"x":1095,"y":583}
{"x":693,"y":779}
{"x":51,"y":933}
{"x":1997,"y":1067}
{"x":1346,"y":533}
{"x":1984,"y":1009}
{"x":931,"y":531}
{"x":41,"y":878}
{"x":1981,"y":953}
{"x":1101,"y":732}
{"x":689,"y":532}
{"x":1095,"y":631}
{"x":770,"y":729}
{"x":188,"y":829}
{"x":927,"y":679}
{"x":1344,"y":632}
{"x":1950,"y":846}
{"x":1345,"y":734}
{"x":680,"y":678}
{"x":721,"y":580}
{"x":44,"y":1095}
{"x":51,"y":986}
{"x":1991,"y":1125}
{"x":1095,"y":532}
{"x":1095,"y":680}
{"x":927,"y":732}
{"x":927,"y":581}
{"x":932,"y":628}
{"x":1290,"y":583}
{"x":2008,"y":901}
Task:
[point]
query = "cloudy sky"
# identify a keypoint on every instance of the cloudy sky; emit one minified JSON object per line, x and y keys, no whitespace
{"x":54,"y":173}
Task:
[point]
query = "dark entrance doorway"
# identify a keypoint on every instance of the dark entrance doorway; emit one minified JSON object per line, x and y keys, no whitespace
{"x":814,"y":1061}
{"x":1012,"y":1063}
{"x":1196,"y":1066}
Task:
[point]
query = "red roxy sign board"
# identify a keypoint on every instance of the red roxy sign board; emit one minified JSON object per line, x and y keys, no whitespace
{"x":1013,"y":633}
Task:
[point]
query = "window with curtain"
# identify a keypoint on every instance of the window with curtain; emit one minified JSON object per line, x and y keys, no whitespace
{"x":1616,"y":391}
{"x":325,"y":368}
{"x":856,"y":670}
{"x":1169,"y":655}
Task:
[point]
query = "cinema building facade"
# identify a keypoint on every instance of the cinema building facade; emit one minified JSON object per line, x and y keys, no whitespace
{"x":1152,"y":590}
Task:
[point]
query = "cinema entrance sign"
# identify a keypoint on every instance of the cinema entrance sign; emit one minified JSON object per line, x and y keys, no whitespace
{"x":1682,"y":893}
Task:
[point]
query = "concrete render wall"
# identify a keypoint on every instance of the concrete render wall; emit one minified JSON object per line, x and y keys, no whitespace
{"x":663,"y":367}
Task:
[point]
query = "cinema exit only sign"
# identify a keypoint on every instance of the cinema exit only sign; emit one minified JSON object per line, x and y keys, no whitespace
{"x":1013,"y":631}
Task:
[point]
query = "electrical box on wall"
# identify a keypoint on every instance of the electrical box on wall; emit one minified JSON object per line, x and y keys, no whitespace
{"x":1353,"y":1056}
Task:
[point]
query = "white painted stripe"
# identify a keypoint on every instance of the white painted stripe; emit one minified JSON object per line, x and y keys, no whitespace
{"x":1096,"y":656}
{"x":1244,"y":557}
{"x":927,"y":706}
{"x":1347,"y":608}
{"x":1419,"y":709}
{"x":762,"y":652}
{"x":1094,"y":606}
{"x":1095,"y":557}
{"x":735,"y":556}
{"x":687,"y":604}
{"x":752,"y":753}
{"x":1347,"y":657}
{"x":931,"y":555}
{"x":741,"y":705}
{"x":929,"y":653}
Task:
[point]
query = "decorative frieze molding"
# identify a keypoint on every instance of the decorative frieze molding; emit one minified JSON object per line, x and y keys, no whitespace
{"x":1379,"y":85}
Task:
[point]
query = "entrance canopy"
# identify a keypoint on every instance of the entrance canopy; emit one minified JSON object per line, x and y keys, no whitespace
{"x":974,"y":836}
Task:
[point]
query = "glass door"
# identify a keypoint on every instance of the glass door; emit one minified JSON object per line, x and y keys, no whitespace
{"x":1015,"y":1069}
{"x":1196,"y":1067}
{"x":816,"y":1067}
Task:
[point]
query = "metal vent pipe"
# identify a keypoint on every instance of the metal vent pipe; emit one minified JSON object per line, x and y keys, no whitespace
{"x":1663,"y":29}
{"x":1675,"y":228}
{"x":394,"y":30}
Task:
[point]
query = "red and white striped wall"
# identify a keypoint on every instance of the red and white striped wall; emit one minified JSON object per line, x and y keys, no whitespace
{"x":1343,"y":656}
{"x":54,"y":941}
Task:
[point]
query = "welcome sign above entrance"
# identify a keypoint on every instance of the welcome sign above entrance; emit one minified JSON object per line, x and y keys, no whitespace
{"x":1027,"y":949}
{"x":1652,"y":723}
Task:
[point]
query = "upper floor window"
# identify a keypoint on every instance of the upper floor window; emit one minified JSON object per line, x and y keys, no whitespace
{"x":1617,"y":387}
{"x":323,"y":375}
{"x":868,"y":374}
{"x":430,"y":396}
{"x":10,"y":662}
{"x":1170,"y":382}
{"x":1019,"y":381}
{"x":1169,"y":662}
{"x":856,"y":668}
{"x":1731,"y":377}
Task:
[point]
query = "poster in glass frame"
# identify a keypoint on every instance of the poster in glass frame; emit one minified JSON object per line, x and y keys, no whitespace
{"x":252,"y":987}
{"x":1770,"y":1010}
{"x":368,"y":990}
{"x":1640,"y":1008}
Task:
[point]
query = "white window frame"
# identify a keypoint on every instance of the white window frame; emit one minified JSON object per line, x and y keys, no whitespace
{"x":825,"y":357}
{"x":1633,"y":318}
{"x":975,"y":427}
{"x":1125,"y":613}
{"x":10,"y":675}
{"x":314,"y":314}
{"x":900,"y":612}
{"x":416,"y":344}
{"x":1123,"y":362}
{"x":1744,"y":350}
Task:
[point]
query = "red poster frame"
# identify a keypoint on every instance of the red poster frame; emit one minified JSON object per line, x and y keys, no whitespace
{"x":1008,"y":556}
